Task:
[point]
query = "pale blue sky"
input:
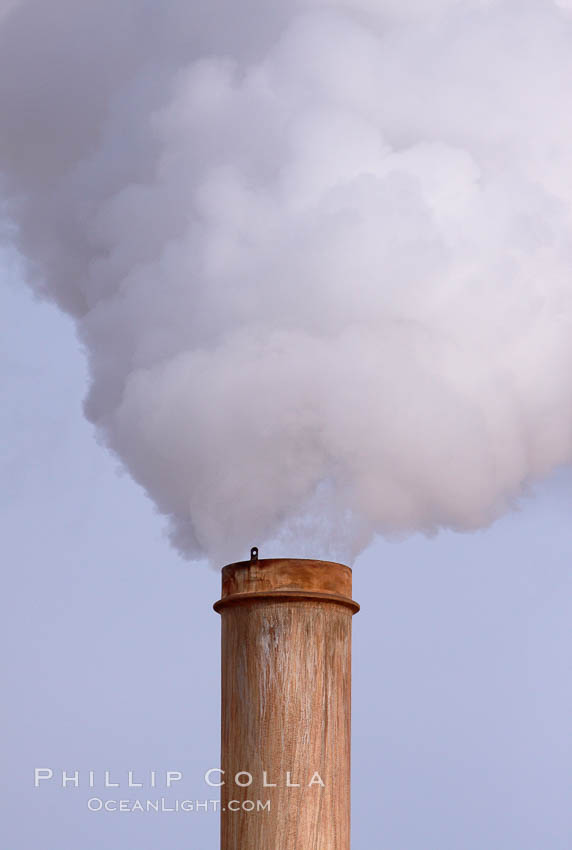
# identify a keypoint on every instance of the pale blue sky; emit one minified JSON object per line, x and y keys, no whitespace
{"x":462,"y":699}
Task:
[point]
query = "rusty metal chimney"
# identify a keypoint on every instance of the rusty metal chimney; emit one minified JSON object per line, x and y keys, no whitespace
{"x":286,"y":694}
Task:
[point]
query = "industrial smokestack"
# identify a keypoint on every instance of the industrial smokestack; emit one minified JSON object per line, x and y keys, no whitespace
{"x":286,"y":703}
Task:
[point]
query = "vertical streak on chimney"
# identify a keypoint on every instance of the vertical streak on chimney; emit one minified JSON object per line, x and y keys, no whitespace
{"x":286,"y":694}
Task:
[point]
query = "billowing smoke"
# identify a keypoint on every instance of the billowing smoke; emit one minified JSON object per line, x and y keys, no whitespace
{"x":319,"y":253}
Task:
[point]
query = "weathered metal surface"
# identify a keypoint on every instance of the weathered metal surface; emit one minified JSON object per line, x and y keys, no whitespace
{"x":286,"y":574}
{"x":286,"y":697}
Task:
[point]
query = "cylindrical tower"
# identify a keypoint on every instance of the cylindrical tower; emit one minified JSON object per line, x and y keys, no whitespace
{"x":286,"y":693}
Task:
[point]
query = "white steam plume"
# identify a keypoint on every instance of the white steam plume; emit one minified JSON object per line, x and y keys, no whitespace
{"x":319,"y":253}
